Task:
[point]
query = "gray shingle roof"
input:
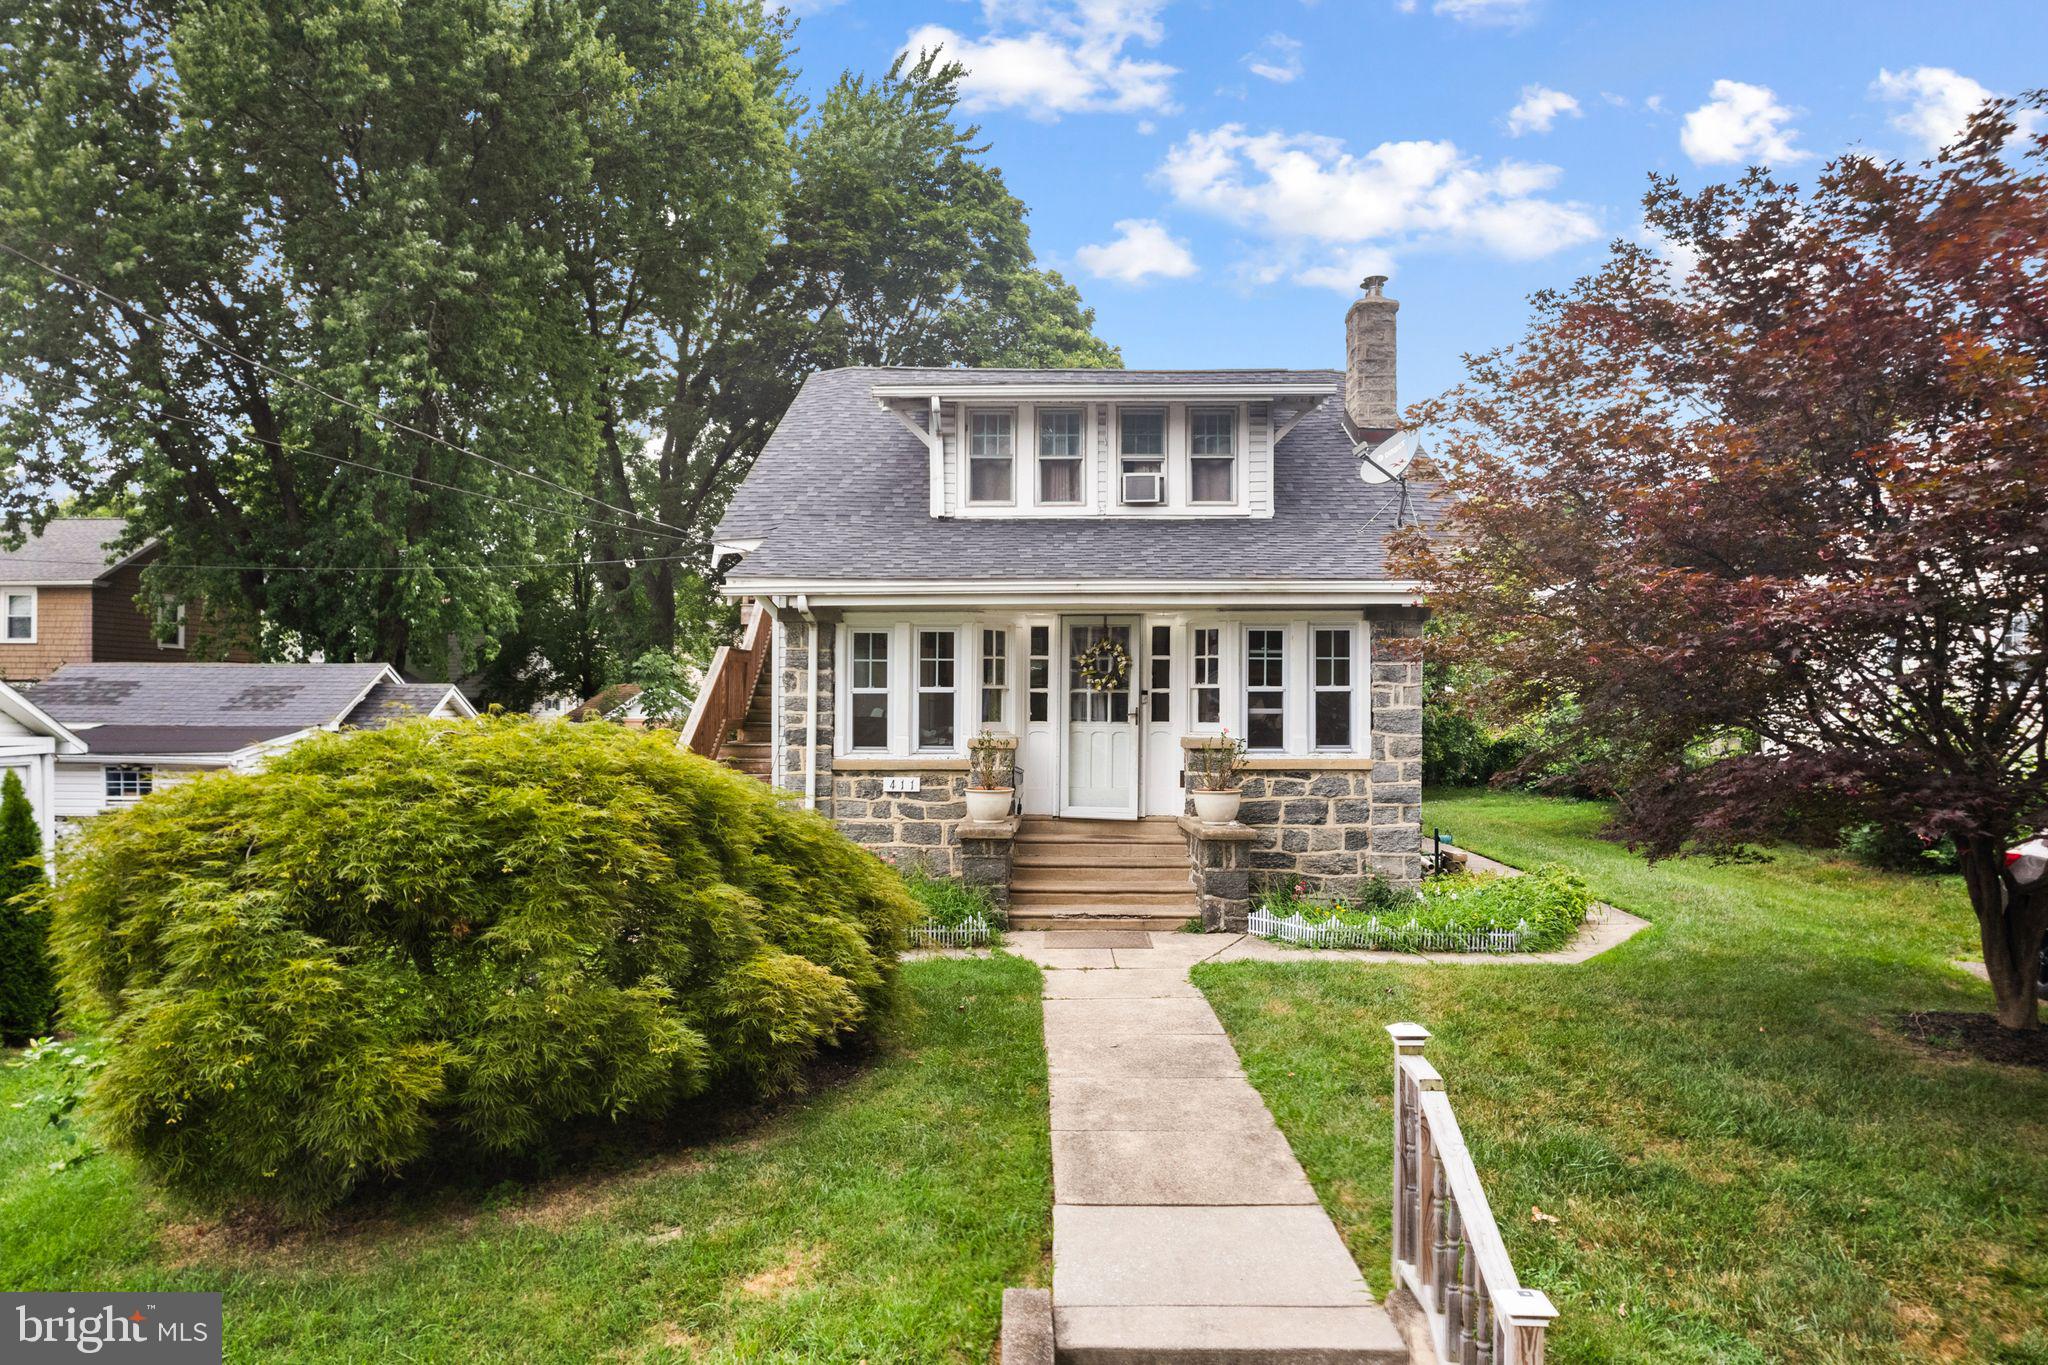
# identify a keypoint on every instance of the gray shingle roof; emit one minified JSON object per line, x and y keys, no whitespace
{"x":67,"y":550}
{"x":388,"y":702}
{"x":955,"y":377}
{"x":842,"y":490}
{"x":259,"y":701}
{"x":175,"y":739}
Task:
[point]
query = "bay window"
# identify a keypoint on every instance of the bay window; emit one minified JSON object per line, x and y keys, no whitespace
{"x":991,"y":456}
{"x":1265,"y":681}
{"x":1330,"y":684}
{"x":870,"y":689}
{"x":936,"y":662}
{"x":1059,"y":456}
{"x":1212,"y":455}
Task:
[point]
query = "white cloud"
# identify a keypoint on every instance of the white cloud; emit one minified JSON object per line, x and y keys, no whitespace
{"x":1143,"y":249}
{"x":1538,"y":109}
{"x":1490,"y":13}
{"x":1278,"y":58}
{"x":1938,"y":102}
{"x":1054,"y":59}
{"x":1323,"y":210}
{"x":1740,"y":123}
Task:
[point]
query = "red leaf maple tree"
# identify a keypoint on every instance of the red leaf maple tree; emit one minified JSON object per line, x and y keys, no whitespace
{"x":1766,"y":501}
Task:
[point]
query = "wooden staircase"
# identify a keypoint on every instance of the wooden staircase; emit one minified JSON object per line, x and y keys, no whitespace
{"x":733,"y":718}
{"x":1100,"y":874}
{"x":749,"y":746}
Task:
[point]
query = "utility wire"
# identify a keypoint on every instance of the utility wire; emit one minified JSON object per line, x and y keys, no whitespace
{"x":206,"y":340}
{"x":222,"y":430}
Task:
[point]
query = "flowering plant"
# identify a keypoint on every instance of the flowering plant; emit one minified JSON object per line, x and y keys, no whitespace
{"x":1214,"y":766}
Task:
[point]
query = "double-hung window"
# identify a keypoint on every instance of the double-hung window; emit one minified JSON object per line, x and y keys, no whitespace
{"x":1038,"y":681}
{"x":1059,"y":456}
{"x":991,"y":456}
{"x":170,"y":625}
{"x":936,"y":663}
{"x":1330,"y":711}
{"x":1205,"y":673}
{"x":21,"y":617}
{"x":995,"y":675}
{"x":1265,"y":683}
{"x":126,"y":782}
{"x":1141,"y":450}
{"x":1212,"y":455}
{"x":870,"y":689}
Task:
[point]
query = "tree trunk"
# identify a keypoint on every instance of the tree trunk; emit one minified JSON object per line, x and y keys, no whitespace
{"x":2010,"y":924}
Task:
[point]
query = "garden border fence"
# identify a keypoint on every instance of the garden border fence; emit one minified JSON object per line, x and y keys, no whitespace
{"x":976,"y":931}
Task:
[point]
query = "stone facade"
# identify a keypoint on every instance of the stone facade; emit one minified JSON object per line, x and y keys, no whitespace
{"x":1369,"y":398}
{"x":1328,"y":822}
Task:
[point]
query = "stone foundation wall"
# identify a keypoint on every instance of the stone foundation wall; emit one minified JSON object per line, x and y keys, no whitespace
{"x":903,"y":827}
{"x":793,"y":691}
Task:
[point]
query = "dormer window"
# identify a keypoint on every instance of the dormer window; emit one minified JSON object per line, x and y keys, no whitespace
{"x":1059,"y":456}
{"x":1212,"y":455}
{"x":991,"y":457}
{"x":1141,"y":454}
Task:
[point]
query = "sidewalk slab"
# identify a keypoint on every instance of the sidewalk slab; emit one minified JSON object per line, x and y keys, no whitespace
{"x":1250,"y":1336}
{"x":1079,"y":1018}
{"x":1166,"y":1056}
{"x":1152,"y":984}
{"x":1152,"y":1104}
{"x":1217,"y":1169}
{"x":1123,"y":1256}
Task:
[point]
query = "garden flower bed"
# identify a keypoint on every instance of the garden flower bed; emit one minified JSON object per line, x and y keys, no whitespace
{"x":1467,"y":913}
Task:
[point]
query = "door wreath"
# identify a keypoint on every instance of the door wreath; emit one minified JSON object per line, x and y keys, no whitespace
{"x":1103,"y":666}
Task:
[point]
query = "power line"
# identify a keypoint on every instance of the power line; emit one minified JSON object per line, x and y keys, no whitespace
{"x":437,"y":568}
{"x":222,"y":429}
{"x":369,"y":412}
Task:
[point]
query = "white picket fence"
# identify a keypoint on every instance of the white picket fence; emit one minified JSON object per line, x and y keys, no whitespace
{"x":1387,"y":936}
{"x":973,"y":932}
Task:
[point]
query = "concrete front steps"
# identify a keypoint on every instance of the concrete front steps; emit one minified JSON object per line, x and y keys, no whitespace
{"x":1100,"y":874}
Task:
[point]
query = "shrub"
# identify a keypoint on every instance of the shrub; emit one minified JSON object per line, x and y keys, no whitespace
{"x":1891,"y":847}
{"x":1546,"y":906}
{"x":28,"y":993}
{"x":438,"y":939}
{"x":948,"y":901}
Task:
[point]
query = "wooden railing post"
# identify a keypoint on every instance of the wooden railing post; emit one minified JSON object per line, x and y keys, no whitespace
{"x":1408,"y":1042}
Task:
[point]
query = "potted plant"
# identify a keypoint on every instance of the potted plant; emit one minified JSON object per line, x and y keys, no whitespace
{"x":1213,"y":779}
{"x":991,"y":776}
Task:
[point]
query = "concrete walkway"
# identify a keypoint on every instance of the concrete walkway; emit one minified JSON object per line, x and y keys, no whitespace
{"x":1183,"y":1227}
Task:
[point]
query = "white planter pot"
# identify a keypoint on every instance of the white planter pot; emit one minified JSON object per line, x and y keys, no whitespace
{"x":1216,"y":808}
{"x":989,"y":804}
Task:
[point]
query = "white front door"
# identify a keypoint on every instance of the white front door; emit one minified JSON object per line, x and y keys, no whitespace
{"x":1101,"y":770}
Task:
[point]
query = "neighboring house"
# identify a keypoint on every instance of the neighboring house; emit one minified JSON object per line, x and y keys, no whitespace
{"x":619,"y":703}
{"x":96,"y":736}
{"x":66,"y":598}
{"x":938,"y":547}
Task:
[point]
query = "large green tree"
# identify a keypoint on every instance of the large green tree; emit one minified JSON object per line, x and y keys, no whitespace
{"x":411,"y":329}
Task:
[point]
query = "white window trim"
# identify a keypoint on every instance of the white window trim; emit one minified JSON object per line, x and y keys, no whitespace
{"x":179,"y":643}
{"x":1164,"y":457}
{"x":145,"y":781}
{"x":1196,"y":725}
{"x":888,"y":685}
{"x":1289,"y":690}
{"x":1355,"y":629}
{"x":967,"y":498}
{"x":1236,"y":457}
{"x":35,"y":614}
{"x":1027,"y":691}
{"x":962,"y":699}
{"x":1080,"y":412}
{"x":1001,"y":686}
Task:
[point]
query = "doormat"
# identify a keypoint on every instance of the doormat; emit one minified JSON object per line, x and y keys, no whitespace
{"x":1098,"y":938}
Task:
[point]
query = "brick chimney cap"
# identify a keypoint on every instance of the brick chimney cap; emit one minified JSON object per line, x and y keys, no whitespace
{"x":1373,"y":285}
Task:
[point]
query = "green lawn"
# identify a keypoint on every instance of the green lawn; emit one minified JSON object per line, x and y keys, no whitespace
{"x":1746,"y":1163}
{"x":877,"y":1220}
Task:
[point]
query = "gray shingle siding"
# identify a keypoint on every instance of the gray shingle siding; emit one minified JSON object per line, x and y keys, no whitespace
{"x":842,"y":492}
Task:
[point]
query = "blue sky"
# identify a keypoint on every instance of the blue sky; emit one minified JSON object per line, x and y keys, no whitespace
{"x":1216,"y":176}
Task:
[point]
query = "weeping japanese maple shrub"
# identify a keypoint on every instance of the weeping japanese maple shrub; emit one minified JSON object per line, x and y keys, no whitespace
{"x":441,"y":938}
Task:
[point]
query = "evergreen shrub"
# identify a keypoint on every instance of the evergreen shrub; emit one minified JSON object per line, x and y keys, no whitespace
{"x":438,"y":940}
{"x":28,"y":992}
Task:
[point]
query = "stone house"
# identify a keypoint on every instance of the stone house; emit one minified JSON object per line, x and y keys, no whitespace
{"x":946,"y":552}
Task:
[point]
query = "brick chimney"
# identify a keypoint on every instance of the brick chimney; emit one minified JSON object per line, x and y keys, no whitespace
{"x":1369,"y":358}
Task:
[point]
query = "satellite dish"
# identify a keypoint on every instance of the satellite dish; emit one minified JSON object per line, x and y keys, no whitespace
{"x":1390,"y":459}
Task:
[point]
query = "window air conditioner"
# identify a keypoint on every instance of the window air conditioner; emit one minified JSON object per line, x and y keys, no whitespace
{"x":1148,"y":486}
